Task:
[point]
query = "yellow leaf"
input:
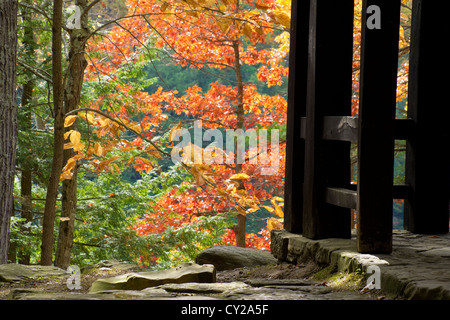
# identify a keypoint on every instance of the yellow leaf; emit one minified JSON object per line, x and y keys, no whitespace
{"x":270,"y":209}
{"x":192,"y":3}
{"x":68,"y":145}
{"x":240,"y":210}
{"x":164,"y":6}
{"x":224,"y":24}
{"x":223,"y":8}
{"x":66,"y":175}
{"x":67,"y":134}
{"x":402,"y":35}
{"x":278,"y":199}
{"x":75,"y":137}
{"x":79,"y":147}
{"x":134,"y":126}
{"x":261,"y":6}
{"x":240,"y":176}
{"x":278,"y":211}
{"x":281,"y":18}
{"x":116,"y":167}
{"x":199,"y":179}
{"x":103,"y":122}
{"x":221,"y":192}
{"x":69,"y":121}
{"x":247,"y":30}
{"x":156,"y":154}
{"x":69,"y":165}
{"x":89,"y":152}
{"x":98,"y":149}
{"x":192,"y":13}
{"x":130,"y":161}
{"x":173,"y":130}
{"x":103,"y":164}
{"x":274,"y":224}
{"x":87,"y":116}
{"x":252,"y":210}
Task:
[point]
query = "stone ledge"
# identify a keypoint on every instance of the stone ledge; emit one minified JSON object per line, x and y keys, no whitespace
{"x":418,"y":268}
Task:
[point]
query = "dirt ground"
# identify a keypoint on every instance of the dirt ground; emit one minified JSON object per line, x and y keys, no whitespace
{"x":279,"y":271}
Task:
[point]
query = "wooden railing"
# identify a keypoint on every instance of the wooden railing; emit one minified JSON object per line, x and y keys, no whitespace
{"x":320,"y":129}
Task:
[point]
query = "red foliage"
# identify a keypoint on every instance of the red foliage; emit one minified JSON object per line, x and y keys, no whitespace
{"x":251,"y":240}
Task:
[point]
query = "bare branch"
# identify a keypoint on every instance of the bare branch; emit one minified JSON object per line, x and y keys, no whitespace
{"x":36,"y":71}
{"x":36,"y":9}
{"x":89,"y":6}
{"x":122,"y":124}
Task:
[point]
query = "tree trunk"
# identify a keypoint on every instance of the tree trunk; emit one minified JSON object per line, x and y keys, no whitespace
{"x":27,"y":95}
{"x":26,"y":180}
{"x":239,"y":230}
{"x":72,"y":95}
{"x":58,"y":138}
{"x":8,"y":118}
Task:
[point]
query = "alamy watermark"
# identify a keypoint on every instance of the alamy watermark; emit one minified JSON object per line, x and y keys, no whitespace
{"x":258,"y":152}
{"x":74,"y":280}
{"x":73,"y":20}
{"x":374,"y":20}
{"x":374,"y":281}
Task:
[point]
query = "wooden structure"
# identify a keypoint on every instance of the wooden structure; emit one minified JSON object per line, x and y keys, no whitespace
{"x":320,"y":128}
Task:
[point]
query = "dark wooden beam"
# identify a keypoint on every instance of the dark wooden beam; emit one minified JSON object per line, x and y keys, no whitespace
{"x":348,"y":198}
{"x":378,"y":81}
{"x":401,"y":191}
{"x":328,"y":94}
{"x":341,"y":197}
{"x":295,"y":147}
{"x":403,"y":129}
{"x":427,"y":160}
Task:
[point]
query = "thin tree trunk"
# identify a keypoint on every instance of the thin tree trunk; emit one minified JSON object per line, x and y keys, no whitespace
{"x":58,"y":139}
{"x":239,"y":230}
{"x":8,"y":118}
{"x":26,"y":178}
{"x":72,"y":95}
{"x":26,"y":181}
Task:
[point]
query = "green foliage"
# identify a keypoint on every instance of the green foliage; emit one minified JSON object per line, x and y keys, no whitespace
{"x":107,"y":207}
{"x":25,"y":237}
{"x":177,"y":245}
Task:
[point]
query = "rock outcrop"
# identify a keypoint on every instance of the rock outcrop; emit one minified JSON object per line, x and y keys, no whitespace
{"x":17,"y":272}
{"x":228,"y":257}
{"x":185,"y":272}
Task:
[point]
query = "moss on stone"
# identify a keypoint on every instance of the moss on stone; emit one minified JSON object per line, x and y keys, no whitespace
{"x":325,"y":273}
{"x":340,"y":280}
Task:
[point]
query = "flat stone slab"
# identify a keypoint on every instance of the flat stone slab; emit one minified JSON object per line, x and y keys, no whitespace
{"x":229,"y":257}
{"x":203,"y":288}
{"x":17,"y":272}
{"x":186,"y":272}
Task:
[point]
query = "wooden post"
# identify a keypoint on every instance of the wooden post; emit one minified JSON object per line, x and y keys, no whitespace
{"x":427,"y":161}
{"x":295,"y":147}
{"x":378,"y":82}
{"x":327,"y":163}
